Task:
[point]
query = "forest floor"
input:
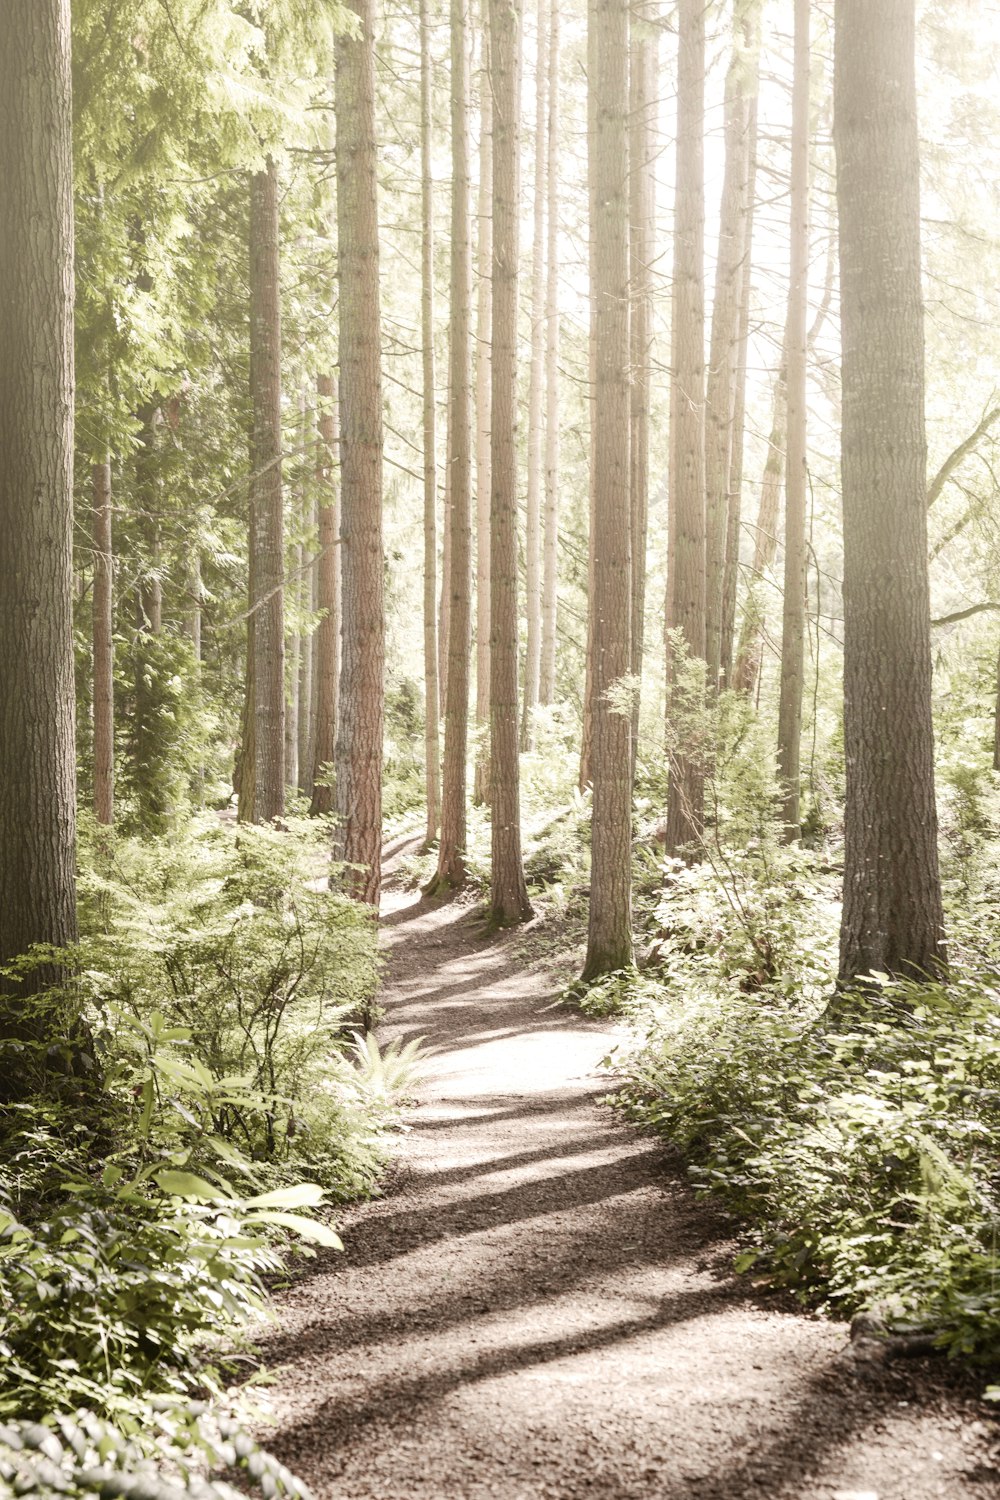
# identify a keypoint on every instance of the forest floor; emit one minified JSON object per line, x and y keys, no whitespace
{"x":540,"y":1309}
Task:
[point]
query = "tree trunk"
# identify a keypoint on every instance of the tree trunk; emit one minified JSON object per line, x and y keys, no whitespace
{"x":550,"y":539}
{"x":358,"y":835}
{"x":765,"y":543}
{"x":609,"y":935}
{"x":892,"y":918}
{"x":642,"y":208}
{"x":37,"y":751}
{"x":686,"y":522}
{"x":793,"y":628}
{"x":444,"y":612}
{"x":724,"y":350}
{"x":307,"y":605}
{"x":104,"y":648}
{"x":508,"y":896}
{"x":326,"y":646}
{"x":484,"y":341}
{"x":451,"y":853}
{"x":432,"y":694}
{"x":587,"y":734}
{"x":536,"y":373}
{"x":996,"y":722}
{"x":267,"y":602}
{"x":293,"y":648}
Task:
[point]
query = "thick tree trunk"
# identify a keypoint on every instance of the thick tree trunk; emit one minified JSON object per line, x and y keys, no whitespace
{"x":267,"y":601}
{"x":37,"y":765}
{"x":451,"y":853}
{"x":508,"y":895}
{"x":358,"y":835}
{"x":724,"y":352}
{"x":892,"y":917}
{"x":484,"y":379}
{"x":642,"y":209}
{"x":793,"y":629}
{"x":550,"y":529}
{"x":432,"y":692}
{"x":326,"y":646}
{"x":104,"y":648}
{"x":686,"y":523}
{"x":536,"y":409}
{"x":609,"y":935}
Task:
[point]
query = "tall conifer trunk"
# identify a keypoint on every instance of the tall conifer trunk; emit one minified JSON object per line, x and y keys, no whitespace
{"x":550,"y":530}
{"x":609,"y":935}
{"x":686,"y":528}
{"x":267,"y":619}
{"x":326,"y":643}
{"x":432,"y":690}
{"x":794,"y":609}
{"x":892,"y":918}
{"x":37,"y":770}
{"x":358,"y":834}
{"x":451,"y":853}
{"x":642,"y":208}
{"x":508,"y":894}
{"x":484,"y":381}
{"x":104,"y":648}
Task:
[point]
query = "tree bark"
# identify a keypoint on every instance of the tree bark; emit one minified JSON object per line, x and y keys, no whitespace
{"x":793,"y":628}
{"x":104,"y":648}
{"x":550,"y":530}
{"x":326,"y":646}
{"x":484,"y":341}
{"x":358,"y":833}
{"x":432,"y":694}
{"x":536,"y":392}
{"x":307,"y":605}
{"x":508,"y":895}
{"x":37,"y":752}
{"x":642,"y":210}
{"x":266,"y":500}
{"x":724,"y":350}
{"x":892,"y":917}
{"x":765,"y":544}
{"x":451,"y":852}
{"x":609,"y":935}
{"x":686,"y":521}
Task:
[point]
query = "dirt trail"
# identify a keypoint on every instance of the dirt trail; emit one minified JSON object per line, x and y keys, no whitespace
{"x":538,"y":1308}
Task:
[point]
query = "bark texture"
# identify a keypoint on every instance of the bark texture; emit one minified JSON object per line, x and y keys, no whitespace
{"x":793,"y":628}
{"x":432,"y":692}
{"x":686,"y":526}
{"x":451,"y":853}
{"x":103,"y":647}
{"x":550,"y":527}
{"x":358,"y":834}
{"x":609,"y":934}
{"x":484,"y":382}
{"x":508,"y":893}
{"x":37,"y":765}
{"x":326,"y":643}
{"x":267,"y":616}
{"x":892,"y":918}
{"x":642,"y":209}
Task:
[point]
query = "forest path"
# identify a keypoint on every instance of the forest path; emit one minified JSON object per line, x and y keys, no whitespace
{"x":539,"y":1308}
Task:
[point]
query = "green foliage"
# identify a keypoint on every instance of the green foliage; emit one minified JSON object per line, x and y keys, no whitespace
{"x":859,"y":1145}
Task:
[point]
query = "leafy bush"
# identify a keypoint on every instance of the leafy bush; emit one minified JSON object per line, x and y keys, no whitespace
{"x":860,"y":1144}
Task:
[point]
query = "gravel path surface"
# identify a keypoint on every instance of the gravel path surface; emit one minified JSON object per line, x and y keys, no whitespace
{"x":539,"y":1308}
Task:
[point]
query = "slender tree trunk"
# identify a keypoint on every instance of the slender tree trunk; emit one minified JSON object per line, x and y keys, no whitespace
{"x":444,"y":611}
{"x":293,"y":648}
{"x":892,"y":917}
{"x":751,"y":37}
{"x":104,"y":649}
{"x":536,"y":391}
{"x":686,"y":525}
{"x":996,"y":723}
{"x":37,"y":694}
{"x":724,"y":350}
{"x":550,"y":538}
{"x":642,"y":206}
{"x":267,"y":602}
{"x":484,"y":380}
{"x":358,"y":836}
{"x":326,"y":646}
{"x":192,"y":619}
{"x":794,"y":611}
{"x":307,"y":606}
{"x":609,"y":935}
{"x":451,"y":854}
{"x":432,"y":695}
{"x":508,"y":896}
{"x":587,"y":736}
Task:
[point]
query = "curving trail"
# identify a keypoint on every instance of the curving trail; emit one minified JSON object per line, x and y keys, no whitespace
{"x":539,"y":1310}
